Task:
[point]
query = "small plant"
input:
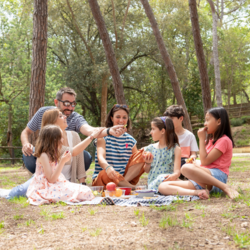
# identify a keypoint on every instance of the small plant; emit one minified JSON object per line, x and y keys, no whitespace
{"x":186,"y":223}
{"x":92,"y":212}
{"x":136,"y":212}
{"x":1,"y":224}
{"x":216,"y":195}
{"x":96,"y":232}
{"x":199,"y":206}
{"x":29,"y":222}
{"x":168,"y":220}
{"x":143,"y":220}
{"x":229,"y":230}
{"x":57,"y":216}
{"x":84,"y":229}
{"x":178,"y":200}
{"x":41,"y":230}
{"x":188,"y":216}
{"x":17,"y":217}
{"x":72,"y":211}
{"x":242,"y":240}
{"x":203,"y":214}
{"x":45,"y":213}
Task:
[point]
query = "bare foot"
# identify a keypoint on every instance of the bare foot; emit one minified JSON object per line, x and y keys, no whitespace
{"x":231,"y":193}
{"x":203,"y":194}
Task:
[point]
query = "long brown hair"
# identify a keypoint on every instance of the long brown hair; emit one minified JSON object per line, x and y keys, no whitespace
{"x":50,"y":116}
{"x":167,"y":124}
{"x":48,"y":142}
{"x":115,"y":108}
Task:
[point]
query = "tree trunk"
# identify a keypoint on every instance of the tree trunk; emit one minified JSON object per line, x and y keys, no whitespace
{"x":110,"y":55}
{"x":216,"y":55}
{"x":206,"y":94}
{"x":246,"y":95}
{"x":104,"y":100}
{"x":168,"y":63}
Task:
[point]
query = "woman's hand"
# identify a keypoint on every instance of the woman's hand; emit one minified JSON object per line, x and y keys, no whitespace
{"x":97,"y":132}
{"x":66,"y":156}
{"x":147,"y":157}
{"x":171,"y":177}
{"x":202,"y":133}
{"x":117,"y":130}
{"x":112,"y":174}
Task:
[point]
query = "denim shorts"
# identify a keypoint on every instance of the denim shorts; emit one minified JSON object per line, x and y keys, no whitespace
{"x":217,"y":174}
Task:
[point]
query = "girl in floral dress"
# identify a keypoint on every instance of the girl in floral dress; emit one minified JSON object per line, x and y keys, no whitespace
{"x":163,"y":164}
{"x":49,"y":184}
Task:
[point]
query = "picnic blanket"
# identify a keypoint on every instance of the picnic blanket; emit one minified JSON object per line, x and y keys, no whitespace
{"x":161,"y":200}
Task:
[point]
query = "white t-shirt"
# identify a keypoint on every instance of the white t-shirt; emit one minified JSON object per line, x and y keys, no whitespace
{"x":187,"y":143}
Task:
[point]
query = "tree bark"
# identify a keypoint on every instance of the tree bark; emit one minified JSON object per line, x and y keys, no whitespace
{"x":104,"y":100}
{"x":39,"y":53}
{"x":216,"y":55}
{"x":167,"y":61}
{"x":206,"y":94}
{"x":110,"y":55}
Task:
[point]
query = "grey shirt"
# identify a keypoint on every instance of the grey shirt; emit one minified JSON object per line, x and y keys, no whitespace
{"x":75,"y":120}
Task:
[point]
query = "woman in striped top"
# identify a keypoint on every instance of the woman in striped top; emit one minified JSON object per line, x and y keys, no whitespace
{"x":117,"y":158}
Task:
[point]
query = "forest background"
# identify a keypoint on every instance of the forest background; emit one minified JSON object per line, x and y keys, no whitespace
{"x":147,"y":87}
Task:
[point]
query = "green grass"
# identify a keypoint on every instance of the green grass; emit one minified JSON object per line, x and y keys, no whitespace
{"x":56,"y":216}
{"x":96,"y":232}
{"x":92,"y":212}
{"x":22,"y":201}
{"x":17,"y":217}
{"x":1,"y":224}
{"x":29,"y":222}
{"x":143,"y":220}
{"x":164,"y":208}
{"x":136,"y":212}
{"x":199,"y":206}
{"x":168,"y":221}
{"x":84,"y":229}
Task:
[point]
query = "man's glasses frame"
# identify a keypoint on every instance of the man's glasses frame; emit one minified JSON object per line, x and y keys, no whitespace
{"x":68,"y":103}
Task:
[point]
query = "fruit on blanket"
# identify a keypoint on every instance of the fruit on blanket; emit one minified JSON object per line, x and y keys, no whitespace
{"x":111,"y":186}
{"x":118,"y":192}
{"x":190,"y":160}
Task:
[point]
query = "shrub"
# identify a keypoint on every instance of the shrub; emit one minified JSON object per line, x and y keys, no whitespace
{"x":236,"y":122}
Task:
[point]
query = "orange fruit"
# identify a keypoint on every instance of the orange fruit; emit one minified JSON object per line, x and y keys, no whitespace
{"x":118,"y":192}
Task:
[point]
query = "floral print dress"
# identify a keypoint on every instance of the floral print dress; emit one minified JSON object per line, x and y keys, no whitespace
{"x":41,"y":191}
{"x":163,"y":164}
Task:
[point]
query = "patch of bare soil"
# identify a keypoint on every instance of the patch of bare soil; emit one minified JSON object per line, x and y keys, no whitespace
{"x":190,"y":225}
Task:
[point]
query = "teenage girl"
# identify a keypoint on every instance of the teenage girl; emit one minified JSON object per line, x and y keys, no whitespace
{"x":211,"y":173}
{"x":49,"y":184}
{"x":166,"y":161}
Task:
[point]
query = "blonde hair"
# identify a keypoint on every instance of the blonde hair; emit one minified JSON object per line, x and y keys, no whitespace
{"x":49,"y":117}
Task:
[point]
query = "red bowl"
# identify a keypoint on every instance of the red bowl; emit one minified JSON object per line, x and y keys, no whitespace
{"x":127,"y":190}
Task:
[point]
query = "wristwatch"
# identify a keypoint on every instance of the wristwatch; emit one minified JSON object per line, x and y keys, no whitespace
{"x":108,"y":131}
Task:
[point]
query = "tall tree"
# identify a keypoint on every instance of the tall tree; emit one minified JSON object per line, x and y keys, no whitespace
{"x":167,"y":60}
{"x":216,"y":55}
{"x":109,"y":51}
{"x":206,"y":95}
{"x":39,"y":53}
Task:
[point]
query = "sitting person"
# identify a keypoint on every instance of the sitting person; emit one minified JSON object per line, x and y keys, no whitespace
{"x":211,"y":173}
{"x":117,"y":159}
{"x":186,"y":139}
{"x":166,"y":160}
{"x":49,"y":184}
{"x":74,"y":169}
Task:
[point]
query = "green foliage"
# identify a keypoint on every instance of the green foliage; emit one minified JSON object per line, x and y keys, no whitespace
{"x":22,"y":201}
{"x":143,"y":220}
{"x":236,"y":122}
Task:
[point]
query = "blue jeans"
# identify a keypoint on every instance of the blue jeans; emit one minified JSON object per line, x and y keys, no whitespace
{"x":30,"y":161}
{"x":21,"y":190}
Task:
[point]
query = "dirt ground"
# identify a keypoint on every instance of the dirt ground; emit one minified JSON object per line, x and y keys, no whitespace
{"x":217,"y":223}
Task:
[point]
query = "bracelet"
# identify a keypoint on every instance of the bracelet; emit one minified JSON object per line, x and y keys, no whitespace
{"x":148,"y":163}
{"x":84,"y":183}
{"x":107,"y":168}
{"x":108,"y":131}
{"x":91,"y":137}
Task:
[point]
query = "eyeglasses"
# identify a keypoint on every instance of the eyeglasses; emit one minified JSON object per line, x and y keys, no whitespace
{"x":67,"y":103}
{"x":121,"y":106}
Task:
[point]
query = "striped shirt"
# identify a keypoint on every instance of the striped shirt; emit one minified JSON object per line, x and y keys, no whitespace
{"x":118,"y":152}
{"x":75,"y":120}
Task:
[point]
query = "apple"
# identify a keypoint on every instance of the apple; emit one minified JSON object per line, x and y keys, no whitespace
{"x":111,"y":186}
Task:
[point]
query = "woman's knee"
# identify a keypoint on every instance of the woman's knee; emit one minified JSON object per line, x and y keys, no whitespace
{"x":187,"y":168}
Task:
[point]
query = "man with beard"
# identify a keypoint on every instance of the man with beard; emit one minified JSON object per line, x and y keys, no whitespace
{"x":66,"y":102}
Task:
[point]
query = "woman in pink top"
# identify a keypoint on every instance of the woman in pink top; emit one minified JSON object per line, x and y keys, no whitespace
{"x":211,"y":172}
